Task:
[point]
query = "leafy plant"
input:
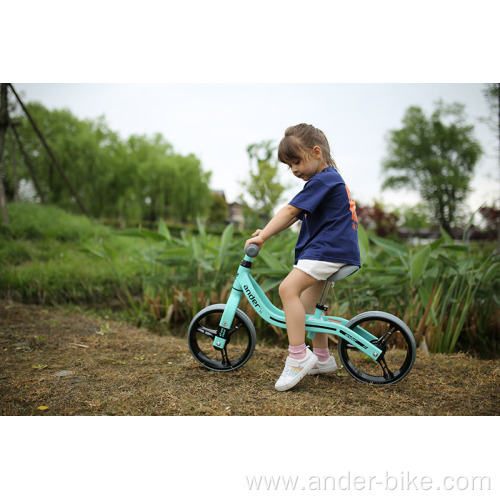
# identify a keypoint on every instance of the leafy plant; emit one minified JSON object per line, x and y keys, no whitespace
{"x":447,"y":293}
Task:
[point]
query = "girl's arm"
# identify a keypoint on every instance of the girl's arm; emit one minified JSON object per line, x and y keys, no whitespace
{"x":282,"y":220}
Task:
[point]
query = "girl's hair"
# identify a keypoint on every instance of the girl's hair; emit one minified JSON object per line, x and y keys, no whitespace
{"x":300,"y":139}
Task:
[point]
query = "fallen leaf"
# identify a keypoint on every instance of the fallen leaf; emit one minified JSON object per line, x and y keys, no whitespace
{"x":74,"y":344}
{"x":43,"y":408}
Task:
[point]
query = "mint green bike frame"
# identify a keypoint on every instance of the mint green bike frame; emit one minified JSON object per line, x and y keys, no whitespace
{"x":244,"y":284}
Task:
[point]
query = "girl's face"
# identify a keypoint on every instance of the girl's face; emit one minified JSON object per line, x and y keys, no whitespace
{"x":309,"y":165}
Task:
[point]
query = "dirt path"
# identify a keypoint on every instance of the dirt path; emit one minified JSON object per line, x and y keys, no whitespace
{"x":53,"y":362}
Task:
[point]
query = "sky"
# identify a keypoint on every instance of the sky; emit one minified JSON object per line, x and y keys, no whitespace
{"x":217,"y":121}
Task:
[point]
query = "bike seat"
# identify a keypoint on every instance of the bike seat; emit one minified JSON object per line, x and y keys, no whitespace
{"x":343,"y":272}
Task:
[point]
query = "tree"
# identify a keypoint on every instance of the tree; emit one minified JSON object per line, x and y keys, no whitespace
{"x":435,"y":156}
{"x":383,"y":222}
{"x":263,"y":186}
{"x":415,"y":218}
{"x":492,"y":94}
{"x":139,"y":178}
{"x":3,"y":130}
{"x":218,"y":210}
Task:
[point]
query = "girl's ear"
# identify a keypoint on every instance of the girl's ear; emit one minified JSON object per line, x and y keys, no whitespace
{"x":317,"y":152}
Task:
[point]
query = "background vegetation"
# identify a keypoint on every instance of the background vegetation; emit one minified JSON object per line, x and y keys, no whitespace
{"x":447,"y":292}
{"x":171,"y":260}
{"x":133,"y":179}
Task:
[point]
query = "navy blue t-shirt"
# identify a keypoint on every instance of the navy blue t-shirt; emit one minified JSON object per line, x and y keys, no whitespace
{"x":329,"y":229}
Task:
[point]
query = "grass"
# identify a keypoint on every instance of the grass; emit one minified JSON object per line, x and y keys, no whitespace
{"x":45,"y":261}
{"x":59,"y":362}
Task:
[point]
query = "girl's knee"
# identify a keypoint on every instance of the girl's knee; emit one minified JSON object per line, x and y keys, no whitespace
{"x":285,"y":290}
{"x":288,"y":291}
{"x":282,"y":290}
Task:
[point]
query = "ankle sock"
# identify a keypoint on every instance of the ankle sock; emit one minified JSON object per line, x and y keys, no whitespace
{"x":297,"y":351}
{"x":323,"y":354}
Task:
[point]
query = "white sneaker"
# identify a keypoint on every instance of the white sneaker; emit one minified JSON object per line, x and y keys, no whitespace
{"x":327,"y":366}
{"x":295,"y":370}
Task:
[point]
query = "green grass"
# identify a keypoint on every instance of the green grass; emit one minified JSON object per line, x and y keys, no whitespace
{"x":44,"y":261}
{"x":43,"y":222}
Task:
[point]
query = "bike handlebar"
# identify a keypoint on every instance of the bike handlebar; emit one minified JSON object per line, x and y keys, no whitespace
{"x":252,"y":250}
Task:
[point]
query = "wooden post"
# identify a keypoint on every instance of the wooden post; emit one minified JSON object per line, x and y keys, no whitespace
{"x":51,"y":154}
{"x":4,"y":123}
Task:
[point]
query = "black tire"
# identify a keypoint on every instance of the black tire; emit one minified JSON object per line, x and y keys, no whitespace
{"x":393,"y":337}
{"x":239,"y":347}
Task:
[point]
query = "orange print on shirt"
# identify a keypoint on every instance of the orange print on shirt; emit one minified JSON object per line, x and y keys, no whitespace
{"x":352,"y":208}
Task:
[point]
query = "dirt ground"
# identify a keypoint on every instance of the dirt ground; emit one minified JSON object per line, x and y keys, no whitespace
{"x":57,"y":362}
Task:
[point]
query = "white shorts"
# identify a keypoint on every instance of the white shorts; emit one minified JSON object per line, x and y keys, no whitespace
{"x":318,"y":269}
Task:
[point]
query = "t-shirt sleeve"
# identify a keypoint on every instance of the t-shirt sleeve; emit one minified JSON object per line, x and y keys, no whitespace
{"x":310,"y":197}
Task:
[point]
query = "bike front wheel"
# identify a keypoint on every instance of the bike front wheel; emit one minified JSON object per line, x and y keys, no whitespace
{"x":239,"y":345}
{"x":395,"y":340}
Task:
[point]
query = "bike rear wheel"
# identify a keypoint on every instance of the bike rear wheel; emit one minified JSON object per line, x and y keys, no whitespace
{"x":239,"y":346}
{"x":395,"y":340}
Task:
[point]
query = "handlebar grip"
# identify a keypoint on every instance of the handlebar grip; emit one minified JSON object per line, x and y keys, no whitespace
{"x":252,"y":250}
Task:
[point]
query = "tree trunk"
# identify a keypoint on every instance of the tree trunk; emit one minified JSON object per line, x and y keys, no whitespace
{"x":4,"y":123}
{"x":15,"y":177}
{"x":498,"y":220}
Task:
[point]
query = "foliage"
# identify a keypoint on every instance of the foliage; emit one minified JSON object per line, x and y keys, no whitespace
{"x":186,"y":273}
{"x":435,"y":156}
{"x":218,"y":210}
{"x":48,"y":222}
{"x":415,"y":217}
{"x":447,"y":293}
{"x":492,"y":95}
{"x":375,"y":217}
{"x":262,"y":186}
{"x":140,"y":177}
{"x":491,"y":220}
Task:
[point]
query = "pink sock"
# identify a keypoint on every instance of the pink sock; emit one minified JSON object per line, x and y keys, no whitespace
{"x":297,"y":351}
{"x":323,"y":354}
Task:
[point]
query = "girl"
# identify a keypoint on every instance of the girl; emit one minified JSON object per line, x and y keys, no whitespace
{"x":328,"y":240}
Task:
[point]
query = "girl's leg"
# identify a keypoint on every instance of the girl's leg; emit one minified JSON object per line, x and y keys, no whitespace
{"x":327,"y":364}
{"x":300,"y":360}
{"x":310,"y":298}
{"x":295,"y":314}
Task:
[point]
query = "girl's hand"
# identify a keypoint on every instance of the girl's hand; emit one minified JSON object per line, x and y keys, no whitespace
{"x":256,"y":239}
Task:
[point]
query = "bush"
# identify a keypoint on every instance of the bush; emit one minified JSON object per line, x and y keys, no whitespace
{"x":44,"y":222}
{"x":42,"y":261}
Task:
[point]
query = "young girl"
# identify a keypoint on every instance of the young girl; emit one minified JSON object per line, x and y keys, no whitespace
{"x":328,"y":240}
